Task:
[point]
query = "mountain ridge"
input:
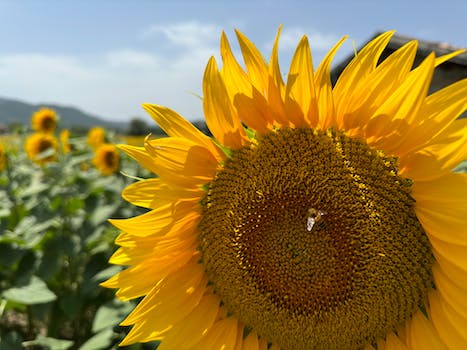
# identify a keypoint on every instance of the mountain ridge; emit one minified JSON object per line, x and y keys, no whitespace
{"x":15,"y":111}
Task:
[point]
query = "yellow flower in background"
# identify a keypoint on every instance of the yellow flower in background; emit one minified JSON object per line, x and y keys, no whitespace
{"x":38,"y":143}
{"x":44,"y":120}
{"x":317,"y":217}
{"x":96,"y":136}
{"x":65,"y":140}
{"x":106,"y":159}
{"x":2,"y":157}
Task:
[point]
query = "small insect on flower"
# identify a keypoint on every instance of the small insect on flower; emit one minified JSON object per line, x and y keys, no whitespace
{"x":315,"y":219}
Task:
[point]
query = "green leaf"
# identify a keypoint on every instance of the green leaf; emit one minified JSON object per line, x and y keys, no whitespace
{"x":36,"y":292}
{"x":50,"y":343}
{"x":102,"y":213}
{"x":111,"y":314}
{"x":99,"y":341}
{"x":9,"y":254}
{"x":106,"y":274}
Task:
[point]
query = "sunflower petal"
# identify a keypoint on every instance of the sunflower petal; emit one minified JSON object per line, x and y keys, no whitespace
{"x":393,"y":342}
{"x":356,"y":73}
{"x":180,"y":162}
{"x":222,"y":335}
{"x":452,"y":293}
{"x":323,"y":85}
{"x":157,"y":221}
{"x":218,"y":110}
{"x":398,"y":112}
{"x":140,"y":155}
{"x":169,"y":294}
{"x":151,"y":193}
{"x":177,"y":126}
{"x":451,"y":326}
{"x":300,"y":103}
{"x":439,"y":110}
{"x":422,"y":334}
{"x":187,"y":333}
{"x":251,"y":342}
{"x":379,"y":86}
{"x":255,"y":64}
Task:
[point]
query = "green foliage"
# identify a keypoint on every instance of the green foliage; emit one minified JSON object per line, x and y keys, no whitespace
{"x":55,"y":243}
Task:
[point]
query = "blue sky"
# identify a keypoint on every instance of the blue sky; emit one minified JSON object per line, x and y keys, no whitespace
{"x":108,"y":57}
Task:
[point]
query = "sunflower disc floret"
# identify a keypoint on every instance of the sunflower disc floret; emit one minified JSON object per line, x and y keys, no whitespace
{"x":307,"y":233}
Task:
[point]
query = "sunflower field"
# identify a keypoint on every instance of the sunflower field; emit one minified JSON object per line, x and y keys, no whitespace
{"x":56,"y":193}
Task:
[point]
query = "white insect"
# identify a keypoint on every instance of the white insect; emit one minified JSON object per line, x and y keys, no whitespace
{"x":315,"y":217}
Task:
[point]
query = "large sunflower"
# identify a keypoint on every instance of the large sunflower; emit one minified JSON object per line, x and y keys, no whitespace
{"x":316,"y":217}
{"x":44,"y":120}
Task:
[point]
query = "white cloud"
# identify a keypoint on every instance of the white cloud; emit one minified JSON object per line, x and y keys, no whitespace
{"x":114,"y":84}
{"x":188,"y":34}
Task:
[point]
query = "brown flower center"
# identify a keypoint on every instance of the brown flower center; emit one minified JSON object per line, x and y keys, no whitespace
{"x":310,"y":238}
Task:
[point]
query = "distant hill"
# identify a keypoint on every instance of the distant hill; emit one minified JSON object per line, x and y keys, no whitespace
{"x":14,"y":112}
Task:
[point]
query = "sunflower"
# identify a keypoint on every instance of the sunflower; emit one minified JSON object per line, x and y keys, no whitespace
{"x":96,"y":136}
{"x":41,"y":147}
{"x":44,"y":120}
{"x":106,"y":159}
{"x":2,"y":157}
{"x":316,"y":217}
{"x":65,"y":140}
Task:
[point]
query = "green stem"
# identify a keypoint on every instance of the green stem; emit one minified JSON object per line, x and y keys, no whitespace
{"x":14,"y":212}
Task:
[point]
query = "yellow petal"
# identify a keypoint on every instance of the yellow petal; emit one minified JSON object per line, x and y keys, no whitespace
{"x":251,"y":342}
{"x":254,"y":111}
{"x":300,"y":101}
{"x":422,"y":335}
{"x":441,"y":205}
{"x":237,"y":81}
{"x":379,"y":86}
{"x":456,"y":274}
{"x":140,"y":155}
{"x":447,"y":57}
{"x":151,"y":193}
{"x":451,"y":327}
{"x":222,"y":335}
{"x":255,"y":64}
{"x":454,"y":253}
{"x":177,"y":126}
{"x":139,"y":280}
{"x":447,"y":151}
{"x":182,"y":287}
{"x":180,"y":228}
{"x":218,"y":110}
{"x":393,"y":342}
{"x":157,"y":221}
{"x":327,"y":117}
{"x":163,"y":246}
{"x":356,"y":72}
{"x":452,"y":293}
{"x":276,"y":87}
{"x":399,"y":111}
{"x":188,"y":332}
{"x":181,"y":162}
{"x":437,"y":113}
